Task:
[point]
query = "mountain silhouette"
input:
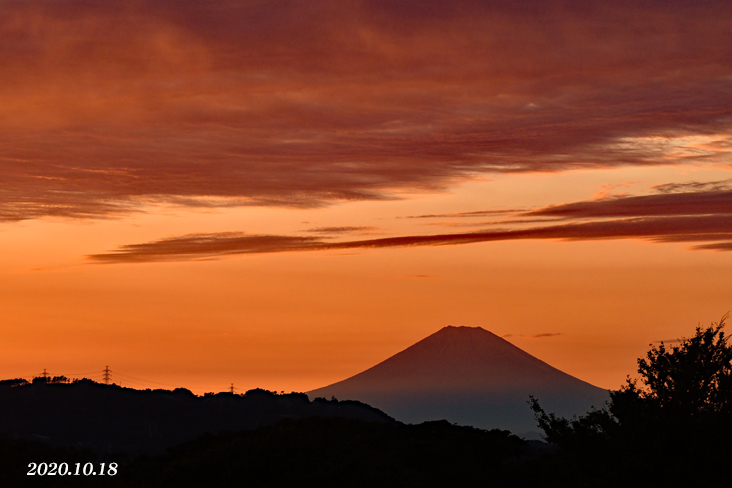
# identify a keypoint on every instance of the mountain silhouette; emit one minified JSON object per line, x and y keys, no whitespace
{"x":469,"y":376}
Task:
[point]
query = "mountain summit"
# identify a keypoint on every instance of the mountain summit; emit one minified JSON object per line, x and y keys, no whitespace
{"x":469,"y":376}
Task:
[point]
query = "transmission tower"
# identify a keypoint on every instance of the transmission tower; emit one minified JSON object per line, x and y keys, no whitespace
{"x":107,"y":375}
{"x":231,"y":388}
{"x":45,"y":375}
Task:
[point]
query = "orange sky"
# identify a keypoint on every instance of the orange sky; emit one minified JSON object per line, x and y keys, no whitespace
{"x":281,"y":194}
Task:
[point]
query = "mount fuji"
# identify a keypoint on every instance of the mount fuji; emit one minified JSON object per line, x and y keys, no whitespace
{"x":468,"y":376}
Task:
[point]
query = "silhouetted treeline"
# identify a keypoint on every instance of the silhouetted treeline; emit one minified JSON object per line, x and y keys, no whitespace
{"x":338,"y":452}
{"x":112,"y":419}
{"x":316,"y":451}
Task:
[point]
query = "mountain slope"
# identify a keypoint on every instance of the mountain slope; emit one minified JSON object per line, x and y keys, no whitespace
{"x":469,"y":376}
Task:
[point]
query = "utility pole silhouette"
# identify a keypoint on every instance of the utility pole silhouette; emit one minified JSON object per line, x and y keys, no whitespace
{"x":231,"y":388}
{"x":44,"y":375}
{"x":107,"y":375}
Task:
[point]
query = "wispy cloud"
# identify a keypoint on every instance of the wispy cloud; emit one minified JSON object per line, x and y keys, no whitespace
{"x":695,"y":186}
{"x":192,"y":246}
{"x":712,"y":199}
{"x":703,"y":216}
{"x":107,"y":105}
{"x":477,"y":213}
{"x":660,"y":229}
{"x":715,"y":246}
{"x":483,"y":223}
{"x":534,"y":336}
{"x":341,"y":230}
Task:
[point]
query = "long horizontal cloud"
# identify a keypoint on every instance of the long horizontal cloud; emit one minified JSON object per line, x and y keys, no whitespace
{"x":691,"y":212}
{"x":107,"y":105}
{"x":340,"y":230}
{"x":668,"y":229}
{"x":688,"y":203}
{"x":534,"y":336}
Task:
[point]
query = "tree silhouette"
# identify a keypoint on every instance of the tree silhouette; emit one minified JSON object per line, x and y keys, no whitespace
{"x":677,"y":414}
{"x":692,"y":378}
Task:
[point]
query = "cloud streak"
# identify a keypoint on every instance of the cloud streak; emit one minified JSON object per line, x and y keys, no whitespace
{"x":659,"y":229}
{"x":703,"y":216}
{"x":535,"y":336}
{"x":687,"y":203}
{"x":341,"y":230}
{"x":110,"y":105}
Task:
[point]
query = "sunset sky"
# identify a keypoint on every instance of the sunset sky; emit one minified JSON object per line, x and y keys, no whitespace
{"x":281,"y":194}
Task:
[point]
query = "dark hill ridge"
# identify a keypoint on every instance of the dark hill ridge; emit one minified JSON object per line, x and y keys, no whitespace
{"x":109,"y":418}
{"x":343,"y":453}
{"x":470,"y":376}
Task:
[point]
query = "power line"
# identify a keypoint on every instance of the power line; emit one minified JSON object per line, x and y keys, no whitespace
{"x":145,"y":381}
{"x":157,"y":382}
{"x":68,"y":375}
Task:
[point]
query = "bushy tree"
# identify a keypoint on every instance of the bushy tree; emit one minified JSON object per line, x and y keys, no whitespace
{"x":676,"y":414}
{"x":692,"y":378}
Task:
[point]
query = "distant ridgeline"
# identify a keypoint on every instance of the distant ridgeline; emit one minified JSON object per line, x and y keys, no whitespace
{"x":111,"y":419}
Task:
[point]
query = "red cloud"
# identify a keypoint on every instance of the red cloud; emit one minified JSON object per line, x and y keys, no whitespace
{"x":703,"y":215}
{"x":104,"y":105}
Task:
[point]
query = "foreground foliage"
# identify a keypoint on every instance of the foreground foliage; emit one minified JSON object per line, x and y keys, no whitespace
{"x":672,"y":427}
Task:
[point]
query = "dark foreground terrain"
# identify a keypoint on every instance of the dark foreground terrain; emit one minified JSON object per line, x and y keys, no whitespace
{"x":174,"y":438}
{"x":315,"y":451}
{"x":111,"y":419}
{"x":670,"y":428}
{"x":325,"y":443}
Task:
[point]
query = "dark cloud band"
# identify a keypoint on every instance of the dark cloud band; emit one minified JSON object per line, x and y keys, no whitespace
{"x":687,"y":203}
{"x":106,"y":106}
{"x":702,"y":216}
{"x":660,"y":229}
